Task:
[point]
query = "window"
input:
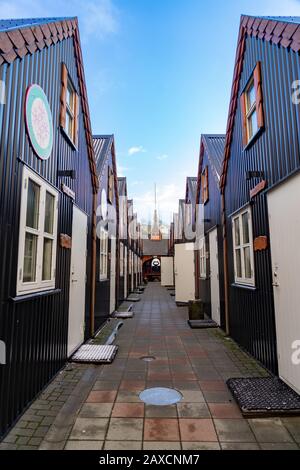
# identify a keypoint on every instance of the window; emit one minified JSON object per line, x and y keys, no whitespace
{"x":69,"y":111}
{"x":243,"y":248}
{"x":38,"y":235}
{"x":103,"y":254}
{"x":204,"y":185}
{"x":121,"y":259}
{"x":202,"y":256}
{"x":251,"y":106}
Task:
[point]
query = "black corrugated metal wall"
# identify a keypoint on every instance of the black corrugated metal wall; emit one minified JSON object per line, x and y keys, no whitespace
{"x":35,"y":329}
{"x":276,"y":152}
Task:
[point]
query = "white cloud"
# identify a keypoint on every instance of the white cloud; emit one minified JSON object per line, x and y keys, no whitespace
{"x":99,"y":18}
{"x":134,"y":150}
{"x":162,"y":157}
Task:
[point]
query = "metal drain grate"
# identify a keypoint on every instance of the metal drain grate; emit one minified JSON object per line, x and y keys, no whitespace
{"x":95,"y":353}
{"x":160,"y":396}
{"x":266,"y":396}
{"x":147,"y":358}
{"x":202,"y":323}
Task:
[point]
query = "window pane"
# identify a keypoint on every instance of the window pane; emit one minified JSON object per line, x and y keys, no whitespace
{"x":252,"y":124}
{"x":245,"y":223}
{"x":247,"y":262}
{"x":33,"y":201}
{"x":250,"y":96}
{"x":49,"y":213}
{"x":237,"y":232}
{"x":30,"y":251}
{"x":70,"y":96}
{"x":47,"y":259}
{"x":238,"y":263}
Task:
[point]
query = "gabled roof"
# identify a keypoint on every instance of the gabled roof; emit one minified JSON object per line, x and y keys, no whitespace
{"x":102,"y":147}
{"x":122,"y":186}
{"x":191,"y":188}
{"x":213,"y":145}
{"x":281,"y":31}
{"x":26,"y":36}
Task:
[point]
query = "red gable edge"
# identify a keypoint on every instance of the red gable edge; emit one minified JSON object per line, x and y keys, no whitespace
{"x":276,"y":32}
{"x":20,"y":42}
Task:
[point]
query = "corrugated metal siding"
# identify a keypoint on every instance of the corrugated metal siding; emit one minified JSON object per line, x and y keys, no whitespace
{"x":212,"y":216}
{"x":35,"y":330}
{"x":276,"y":152}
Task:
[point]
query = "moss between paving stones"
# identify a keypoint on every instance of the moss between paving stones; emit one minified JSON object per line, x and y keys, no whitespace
{"x":244,"y":361}
{"x":105,"y":331}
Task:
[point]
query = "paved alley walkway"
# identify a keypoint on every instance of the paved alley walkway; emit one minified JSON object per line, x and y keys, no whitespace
{"x":105,"y":412}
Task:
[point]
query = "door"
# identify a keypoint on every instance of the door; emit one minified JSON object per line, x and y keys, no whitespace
{"x":214,"y":276}
{"x":77,"y":280}
{"x":167,"y":271}
{"x":112,"y":296}
{"x":284,"y":221}
{"x":125,"y":272}
{"x":184,"y":272}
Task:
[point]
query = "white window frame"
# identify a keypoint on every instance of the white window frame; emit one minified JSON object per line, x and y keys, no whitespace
{"x":239,"y":216}
{"x":202,"y":259}
{"x":103,"y":258}
{"x":39,"y":284}
{"x":121,"y":259}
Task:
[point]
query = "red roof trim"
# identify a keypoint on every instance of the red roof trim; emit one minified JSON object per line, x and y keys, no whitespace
{"x":276,"y":32}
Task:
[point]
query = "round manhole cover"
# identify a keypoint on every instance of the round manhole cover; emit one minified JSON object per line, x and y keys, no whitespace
{"x":147,"y":358}
{"x":160,"y":396}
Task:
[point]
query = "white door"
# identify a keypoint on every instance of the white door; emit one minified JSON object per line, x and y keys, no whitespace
{"x":284,"y":221}
{"x":184,"y":272}
{"x":214,"y":276}
{"x":167,"y":271}
{"x":112,"y":301}
{"x":125,"y":272}
{"x":77,"y":280}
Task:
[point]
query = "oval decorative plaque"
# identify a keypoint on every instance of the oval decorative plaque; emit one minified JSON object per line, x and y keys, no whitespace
{"x":38,"y":118}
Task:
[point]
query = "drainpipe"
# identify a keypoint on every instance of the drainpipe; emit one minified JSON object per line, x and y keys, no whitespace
{"x":225,"y":259}
{"x":93,"y":263}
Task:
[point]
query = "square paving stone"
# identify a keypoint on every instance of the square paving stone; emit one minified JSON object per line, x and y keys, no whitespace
{"x":84,"y":445}
{"x":127,"y":429}
{"x":132,"y":385}
{"x":106,"y":385}
{"x":218,"y":396}
{"x":100,"y":396}
{"x":153,"y":445}
{"x":123,"y":445}
{"x":293,"y":426}
{"x":89,"y":429}
{"x":193,"y":410}
{"x":96,"y":410}
{"x":224,"y":410}
{"x":197,"y":430}
{"x":161,"y":429}
{"x":186,"y":385}
{"x":153,"y":411}
{"x":200,"y":446}
{"x":128,"y":410}
{"x":270,"y":430}
{"x":278,"y":446}
{"x":192,"y":396}
{"x":234,"y":430}
{"x":128,"y":396}
{"x":239,"y":446}
{"x":212,"y":385}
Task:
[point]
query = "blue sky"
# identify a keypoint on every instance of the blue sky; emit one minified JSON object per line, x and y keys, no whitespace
{"x":158,"y":75}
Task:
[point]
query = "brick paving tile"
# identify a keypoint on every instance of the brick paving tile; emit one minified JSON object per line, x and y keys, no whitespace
{"x":224,"y":410}
{"x":152,"y":411}
{"x":128,"y":410}
{"x":234,"y":430}
{"x":101,"y":396}
{"x":270,"y":430}
{"x":153,"y":445}
{"x":193,"y":410}
{"x":89,"y":429}
{"x":293,"y":426}
{"x":127,"y":429}
{"x":212,"y":385}
{"x":200,"y":446}
{"x":239,"y":446}
{"x":96,"y":410}
{"x":192,"y":396}
{"x":133,"y":385}
{"x":197,"y":430}
{"x":123,"y":445}
{"x":278,"y":446}
{"x":161,"y":429}
{"x":84,"y":445}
